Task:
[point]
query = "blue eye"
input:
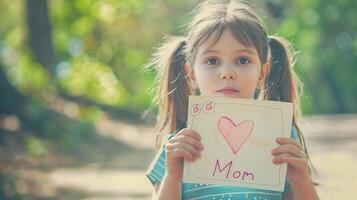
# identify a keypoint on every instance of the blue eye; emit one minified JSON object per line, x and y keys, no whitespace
{"x":243,"y":61}
{"x":212,"y":61}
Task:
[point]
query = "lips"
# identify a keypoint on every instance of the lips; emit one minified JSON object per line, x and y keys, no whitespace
{"x":227,"y":90}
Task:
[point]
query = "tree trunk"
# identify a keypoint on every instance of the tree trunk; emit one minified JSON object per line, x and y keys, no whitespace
{"x":39,"y":33}
{"x":11,"y":100}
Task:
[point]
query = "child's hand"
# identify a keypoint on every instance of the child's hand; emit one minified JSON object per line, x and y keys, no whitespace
{"x":292,"y":153}
{"x":185,"y":145}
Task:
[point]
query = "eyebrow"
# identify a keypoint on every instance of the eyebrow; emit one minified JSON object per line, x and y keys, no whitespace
{"x":239,"y":50}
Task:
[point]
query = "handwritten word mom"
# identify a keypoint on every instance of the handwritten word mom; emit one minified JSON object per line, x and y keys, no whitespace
{"x":242,"y":175}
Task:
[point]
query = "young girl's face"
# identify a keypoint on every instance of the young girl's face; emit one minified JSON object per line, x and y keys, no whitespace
{"x":228,"y":68}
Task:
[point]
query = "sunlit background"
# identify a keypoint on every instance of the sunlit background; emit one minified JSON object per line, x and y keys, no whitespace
{"x":73,"y":92}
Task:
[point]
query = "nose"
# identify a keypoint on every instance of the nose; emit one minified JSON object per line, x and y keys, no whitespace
{"x":228,"y":73}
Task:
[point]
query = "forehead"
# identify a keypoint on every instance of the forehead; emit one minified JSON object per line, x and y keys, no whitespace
{"x":224,"y":41}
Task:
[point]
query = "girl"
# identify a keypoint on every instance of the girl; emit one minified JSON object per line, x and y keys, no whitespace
{"x":226,"y":52}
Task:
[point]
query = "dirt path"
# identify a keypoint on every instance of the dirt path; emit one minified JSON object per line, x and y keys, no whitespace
{"x":332,"y":142}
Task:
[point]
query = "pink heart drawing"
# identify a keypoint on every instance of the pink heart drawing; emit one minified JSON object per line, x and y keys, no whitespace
{"x":235,"y":135}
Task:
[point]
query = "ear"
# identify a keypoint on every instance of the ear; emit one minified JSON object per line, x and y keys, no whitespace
{"x":191,"y":75}
{"x":263,"y":73}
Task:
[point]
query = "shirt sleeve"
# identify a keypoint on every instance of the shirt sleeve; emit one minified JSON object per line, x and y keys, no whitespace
{"x":294,"y":135}
{"x":157,"y":168}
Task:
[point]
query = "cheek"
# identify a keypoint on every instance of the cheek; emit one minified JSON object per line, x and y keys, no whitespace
{"x":249,"y":80}
{"x":206,"y":81}
{"x":203,"y":75}
{"x":249,"y":75}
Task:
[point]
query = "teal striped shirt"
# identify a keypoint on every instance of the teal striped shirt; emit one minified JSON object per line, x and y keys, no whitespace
{"x":192,"y":191}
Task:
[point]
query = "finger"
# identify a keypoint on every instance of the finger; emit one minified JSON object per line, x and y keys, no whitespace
{"x":281,"y":158}
{"x":298,"y":163}
{"x":180,"y":153}
{"x":291,"y":160}
{"x":282,"y":140}
{"x":189,"y":132}
{"x":289,"y":148}
{"x":188,"y":139}
{"x":172,"y":151}
{"x":187,"y":147}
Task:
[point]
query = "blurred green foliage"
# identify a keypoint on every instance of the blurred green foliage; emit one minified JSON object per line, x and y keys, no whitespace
{"x":324,"y":32}
{"x":100,"y":47}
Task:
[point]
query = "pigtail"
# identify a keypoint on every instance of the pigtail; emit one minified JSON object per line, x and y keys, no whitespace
{"x":282,"y":84}
{"x":172,"y":89}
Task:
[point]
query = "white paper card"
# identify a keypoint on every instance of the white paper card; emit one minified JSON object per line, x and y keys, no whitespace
{"x":238,"y":136}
